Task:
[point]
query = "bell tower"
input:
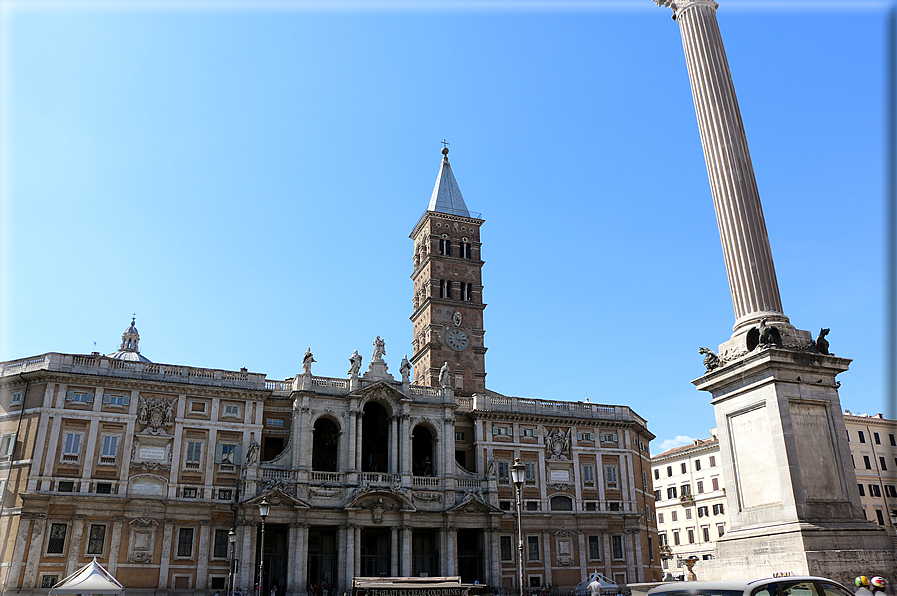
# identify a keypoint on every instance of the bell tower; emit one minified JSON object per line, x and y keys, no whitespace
{"x":448,"y":290}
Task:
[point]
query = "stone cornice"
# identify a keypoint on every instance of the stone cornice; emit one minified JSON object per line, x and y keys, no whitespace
{"x":150,"y":385}
{"x":429,"y":214}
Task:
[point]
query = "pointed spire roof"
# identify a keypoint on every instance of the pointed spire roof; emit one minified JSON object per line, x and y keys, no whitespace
{"x":446,"y":196}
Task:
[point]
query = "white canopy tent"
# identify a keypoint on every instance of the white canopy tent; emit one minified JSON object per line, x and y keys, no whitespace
{"x":90,"y":579}
{"x":606,"y":584}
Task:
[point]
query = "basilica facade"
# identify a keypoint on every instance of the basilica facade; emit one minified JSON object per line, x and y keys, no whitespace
{"x":158,"y":470}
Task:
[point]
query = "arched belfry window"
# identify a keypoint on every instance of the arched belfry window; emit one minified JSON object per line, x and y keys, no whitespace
{"x":325,"y":446}
{"x":467,"y":252}
{"x":442,"y":289}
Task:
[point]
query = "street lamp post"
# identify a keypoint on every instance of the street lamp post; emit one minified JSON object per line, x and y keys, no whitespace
{"x":264,"y":509}
{"x":518,"y":471}
{"x":232,"y":539}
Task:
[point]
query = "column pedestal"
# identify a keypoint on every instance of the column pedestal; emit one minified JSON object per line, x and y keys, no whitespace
{"x":790,"y":485}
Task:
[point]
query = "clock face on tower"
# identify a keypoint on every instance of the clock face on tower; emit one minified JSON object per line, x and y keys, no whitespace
{"x":456,"y":339}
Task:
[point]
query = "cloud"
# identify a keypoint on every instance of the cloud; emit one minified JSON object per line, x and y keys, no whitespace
{"x":679,"y":441}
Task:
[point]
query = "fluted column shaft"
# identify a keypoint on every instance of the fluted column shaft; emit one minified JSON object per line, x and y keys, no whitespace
{"x":742,"y":228}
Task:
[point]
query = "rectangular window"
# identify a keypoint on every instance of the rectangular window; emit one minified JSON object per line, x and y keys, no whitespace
{"x":586,"y":437}
{"x":691,"y":536}
{"x":56,"y":541}
{"x":116,"y":399}
{"x":656,"y":474}
{"x":657,"y":495}
{"x":867,"y":462}
{"x":96,"y":539}
{"x":684,"y":467}
{"x":506,"y":552}
{"x":504,"y":470}
{"x":705,"y":531}
{"x":104,"y":488}
{"x":15,"y":398}
{"x":591,"y":506}
{"x":669,"y":471}
{"x":700,"y":484}
{"x":459,"y":436}
{"x":588,"y":474}
{"x":718,"y":509}
{"x":532,"y":505}
{"x":712,"y":461}
{"x":528,"y":432}
{"x":687,"y":513}
{"x":275,"y":422}
{"x":109,"y":450}
{"x":610,"y":476}
{"x":189,"y":492}
{"x":715,"y":483}
{"x":613,"y":506}
{"x":676,"y":541}
{"x":232,"y":410}
{"x":891,"y":491}
{"x":49,"y":581}
{"x":697,"y":465}
{"x":671,"y":492}
{"x":884,"y":466}
{"x":530,"y":475}
{"x":71,"y":449}
{"x":81,"y":397}
{"x":185,"y":542}
{"x":608,"y":437}
{"x":219,"y":544}
{"x":877,"y":438}
{"x":65,"y":486}
{"x":616,"y":542}
{"x":893,"y":439}
{"x":720,"y":529}
{"x":227,"y":453}
{"x":225,"y":494}
{"x":594,"y":548}
{"x":674,"y":516}
{"x":532,"y":549}
{"x":501,"y":431}
{"x":662,"y":539}
{"x":644,"y":480}
{"x":703,"y":511}
{"x":862,"y":490}
{"x":660,"y":517}
{"x":198,"y":407}
{"x":862,"y":436}
{"x":686,"y":489}
{"x":874,"y":490}
{"x":7,"y":445}
{"x":194,"y":452}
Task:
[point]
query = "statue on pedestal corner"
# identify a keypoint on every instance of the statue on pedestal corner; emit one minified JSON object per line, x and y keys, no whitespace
{"x":306,"y":362}
{"x":445,"y":375}
{"x":405,"y":369}
{"x":354,"y":364}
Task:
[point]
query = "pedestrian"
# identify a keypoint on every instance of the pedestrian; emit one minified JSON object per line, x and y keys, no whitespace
{"x":274,"y":590}
{"x":879,"y":584}
{"x":216,"y":593}
{"x":594,"y":587}
{"x":862,"y":584}
{"x":311,"y":588}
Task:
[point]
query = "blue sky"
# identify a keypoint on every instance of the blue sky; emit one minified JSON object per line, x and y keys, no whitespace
{"x":245,"y":176}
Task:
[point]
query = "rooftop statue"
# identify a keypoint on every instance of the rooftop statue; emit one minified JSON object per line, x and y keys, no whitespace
{"x":354,"y":364}
{"x":306,"y":362}
{"x":379,"y":349}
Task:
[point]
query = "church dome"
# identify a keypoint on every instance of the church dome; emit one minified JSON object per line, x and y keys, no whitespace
{"x":129,"y":350}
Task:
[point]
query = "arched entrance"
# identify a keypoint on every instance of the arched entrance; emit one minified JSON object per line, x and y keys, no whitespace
{"x":422,"y":463}
{"x":325,"y":446}
{"x":276,"y":570}
{"x":323,"y":556}
{"x":374,"y":438}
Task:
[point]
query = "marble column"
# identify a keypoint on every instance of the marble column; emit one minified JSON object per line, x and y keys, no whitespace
{"x":739,"y":215}
{"x":115,"y":544}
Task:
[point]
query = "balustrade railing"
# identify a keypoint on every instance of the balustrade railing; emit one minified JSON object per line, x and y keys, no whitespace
{"x":380,"y":479}
{"x":277,"y":474}
{"x":325,"y":477}
{"x":424,"y":482}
